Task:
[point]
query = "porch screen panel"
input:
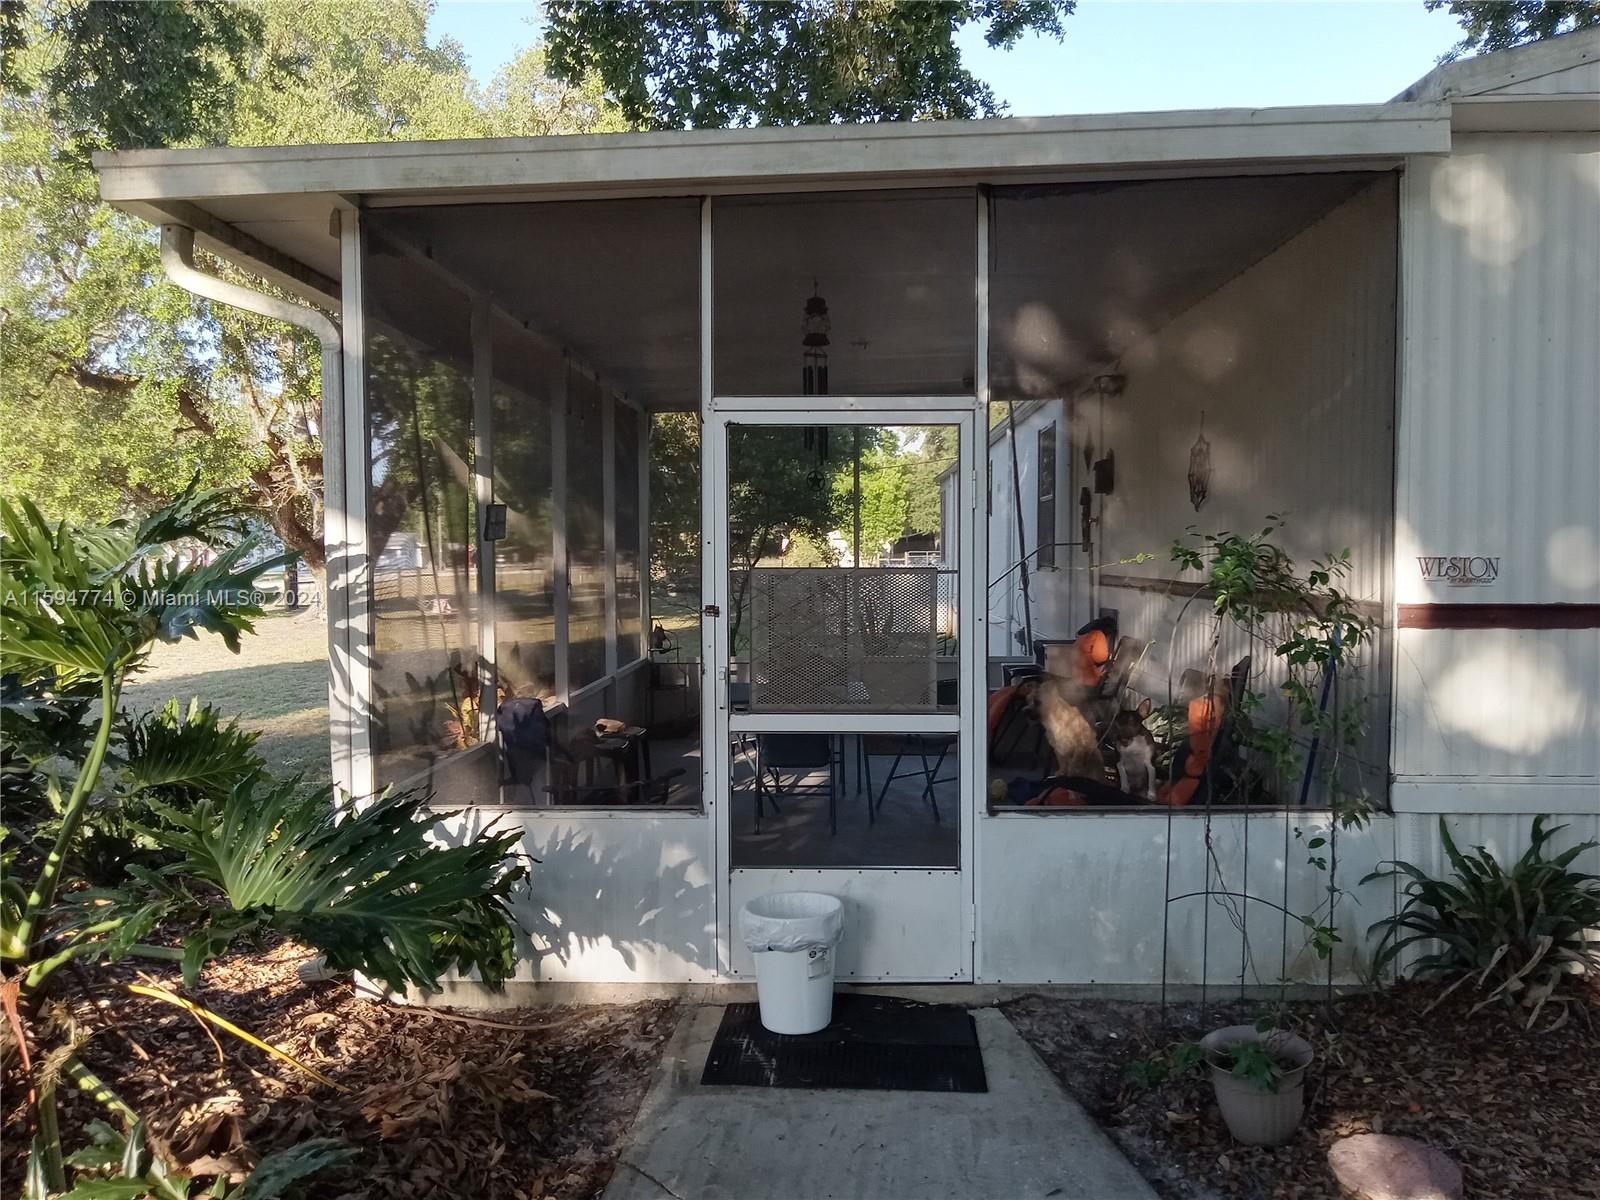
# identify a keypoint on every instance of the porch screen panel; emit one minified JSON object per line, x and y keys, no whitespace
{"x":867,"y":294}
{"x":842,"y":585}
{"x":845,"y":799}
{"x":625,"y":456}
{"x":587,"y":567}
{"x":1169,"y":360}
{"x":421,"y":522}
{"x":526,"y":375}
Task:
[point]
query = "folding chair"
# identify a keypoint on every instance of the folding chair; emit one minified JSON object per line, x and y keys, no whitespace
{"x":799,"y":754}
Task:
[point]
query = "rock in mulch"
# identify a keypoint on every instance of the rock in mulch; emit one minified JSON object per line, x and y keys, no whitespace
{"x":1381,"y":1166}
{"x":1517,"y":1109}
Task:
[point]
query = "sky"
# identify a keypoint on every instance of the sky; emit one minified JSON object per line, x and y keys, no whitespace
{"x":1134,"y":55}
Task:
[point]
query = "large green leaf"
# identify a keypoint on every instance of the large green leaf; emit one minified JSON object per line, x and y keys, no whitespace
{"x":281,"y":1170}
{"x":186,"y":754}
{"x":367,"y":885}
{"x":83,"y":603}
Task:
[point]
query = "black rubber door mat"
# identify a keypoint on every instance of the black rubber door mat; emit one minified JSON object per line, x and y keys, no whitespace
{"x":876,"y":1043}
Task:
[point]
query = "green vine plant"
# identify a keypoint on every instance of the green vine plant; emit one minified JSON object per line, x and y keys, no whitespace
{"x":1304,"y":711}
{"x":162,"y":837}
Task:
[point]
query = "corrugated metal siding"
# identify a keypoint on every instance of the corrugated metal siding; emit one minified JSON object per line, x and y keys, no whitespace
{"x":1500,"y":408}
{"x":1498,"y":704}
{"x":1498,"y":443}
{"x":1080,"y":898}
{"x":1504,"y":835}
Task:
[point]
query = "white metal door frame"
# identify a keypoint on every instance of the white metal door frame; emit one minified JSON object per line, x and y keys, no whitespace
{"x":962,"y":412}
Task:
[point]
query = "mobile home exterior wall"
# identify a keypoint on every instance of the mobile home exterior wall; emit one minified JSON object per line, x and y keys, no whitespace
{"x":1497,"y":709}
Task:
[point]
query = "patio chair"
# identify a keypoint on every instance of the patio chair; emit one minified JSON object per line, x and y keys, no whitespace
{"x":796,"y":755}
{"x":923,"y":746}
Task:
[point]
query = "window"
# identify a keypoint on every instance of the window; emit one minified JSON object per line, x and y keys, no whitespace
{"x":588,"y":315}
{"x":1140,"y":324}
{"x":526,"y":377}
{"x":421,"y":521}
{"x":588,"y":569}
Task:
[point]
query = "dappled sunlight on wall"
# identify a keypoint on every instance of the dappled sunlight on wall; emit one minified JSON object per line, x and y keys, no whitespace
{"x":1572,"y":557}
{"x":1471,"y":193}
{"x":1498,"y":703}
{"x":1510,"y":696}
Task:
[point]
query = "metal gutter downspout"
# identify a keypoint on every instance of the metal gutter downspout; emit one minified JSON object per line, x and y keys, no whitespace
{"x":177,"y":259}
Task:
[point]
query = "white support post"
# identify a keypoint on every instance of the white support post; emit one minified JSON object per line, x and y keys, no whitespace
{"x":353,"y":672}
{"x":558,"y":524}
{"x":974,"y":624}
{"x":336,"y":606}
{"x":713,"y":669}
{"x":642,"y":442}
{"x":608,"y":476}
{"x":483,"y":486}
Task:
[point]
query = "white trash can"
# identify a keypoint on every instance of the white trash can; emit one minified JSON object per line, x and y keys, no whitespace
{"x":793,"y":937}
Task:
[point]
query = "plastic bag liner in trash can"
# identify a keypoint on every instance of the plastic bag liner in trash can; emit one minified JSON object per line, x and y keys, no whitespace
{"x":791,"y":936}
{"x":790,"y":921}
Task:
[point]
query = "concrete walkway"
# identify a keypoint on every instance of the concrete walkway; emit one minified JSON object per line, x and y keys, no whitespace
{"x":1022,"y":1140}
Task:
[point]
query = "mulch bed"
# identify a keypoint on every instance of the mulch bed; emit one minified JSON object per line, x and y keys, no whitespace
{"x":522,"y":1105}
{"x":1519,"y":1111}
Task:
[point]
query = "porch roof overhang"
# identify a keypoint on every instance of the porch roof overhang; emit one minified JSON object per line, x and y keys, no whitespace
{"x":269,"y":208}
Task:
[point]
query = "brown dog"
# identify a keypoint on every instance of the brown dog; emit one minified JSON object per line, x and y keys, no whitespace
{"x":1070,"y":713}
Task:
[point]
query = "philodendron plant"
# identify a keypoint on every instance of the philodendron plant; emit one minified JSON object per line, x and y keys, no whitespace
{"x":141,"y":828}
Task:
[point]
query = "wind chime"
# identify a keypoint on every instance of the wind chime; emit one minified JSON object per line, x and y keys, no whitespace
{"x":1200,"y":466}
{"x":815,"y":326}
{"x":814,"y":329}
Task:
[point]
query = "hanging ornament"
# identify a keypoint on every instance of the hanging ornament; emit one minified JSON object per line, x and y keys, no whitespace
{"x":815,"y":326}
{"x":1200,"y":467}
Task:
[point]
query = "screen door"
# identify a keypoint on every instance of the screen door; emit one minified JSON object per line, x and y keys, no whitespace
{"x":842,"y":552}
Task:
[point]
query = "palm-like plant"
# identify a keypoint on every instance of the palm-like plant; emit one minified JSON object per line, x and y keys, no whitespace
{"x":81,"y":610}
{"x":1515,"y":933}
{"x":363,"y":884}
{"x":81,"y":606}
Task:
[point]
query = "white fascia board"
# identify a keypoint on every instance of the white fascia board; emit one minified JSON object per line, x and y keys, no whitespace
{"x":1526,"y":114}
{"x":1486,"y":72}
{"x":924,"y":150}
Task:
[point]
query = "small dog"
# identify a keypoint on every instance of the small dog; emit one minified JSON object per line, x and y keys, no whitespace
{"x":1136,"y":751}
{"x":1070,"y":713}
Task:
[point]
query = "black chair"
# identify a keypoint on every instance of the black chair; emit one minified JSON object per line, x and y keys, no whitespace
{"x":925,"y":746}
{"x":796,"y":755}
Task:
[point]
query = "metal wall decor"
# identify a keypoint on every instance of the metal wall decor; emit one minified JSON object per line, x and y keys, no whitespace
{"x":1200,"y":467}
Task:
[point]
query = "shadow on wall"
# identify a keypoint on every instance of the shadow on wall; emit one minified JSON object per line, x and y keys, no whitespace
{"x":609,"y":899}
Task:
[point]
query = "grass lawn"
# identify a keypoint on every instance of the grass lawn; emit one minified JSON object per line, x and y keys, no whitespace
{"x":277,"y":684}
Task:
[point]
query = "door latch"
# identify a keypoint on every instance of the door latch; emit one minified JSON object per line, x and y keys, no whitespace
{"x":711,"y":610}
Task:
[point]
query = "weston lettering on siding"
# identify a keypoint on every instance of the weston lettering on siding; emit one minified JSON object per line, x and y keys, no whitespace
{"x":1459,"y":570}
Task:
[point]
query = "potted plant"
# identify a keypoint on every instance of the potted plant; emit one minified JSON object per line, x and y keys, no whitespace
{"x":1259,"y":1079}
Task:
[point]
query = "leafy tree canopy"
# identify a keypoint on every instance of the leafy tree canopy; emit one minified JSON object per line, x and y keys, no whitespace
{"x":145,"y":74}
{"x":119,"y":387}
{"x":1501,"y":24}
{"x":716,"y":63}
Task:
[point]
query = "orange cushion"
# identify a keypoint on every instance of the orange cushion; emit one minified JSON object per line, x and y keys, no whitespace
{"x":999,"y":701}
{"x":1093,"y":653}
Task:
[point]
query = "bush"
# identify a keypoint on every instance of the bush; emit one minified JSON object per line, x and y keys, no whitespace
{"x":1514,"y":934}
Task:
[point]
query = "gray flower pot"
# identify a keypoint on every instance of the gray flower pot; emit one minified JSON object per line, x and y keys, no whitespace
{"x":1255,"y":1116}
